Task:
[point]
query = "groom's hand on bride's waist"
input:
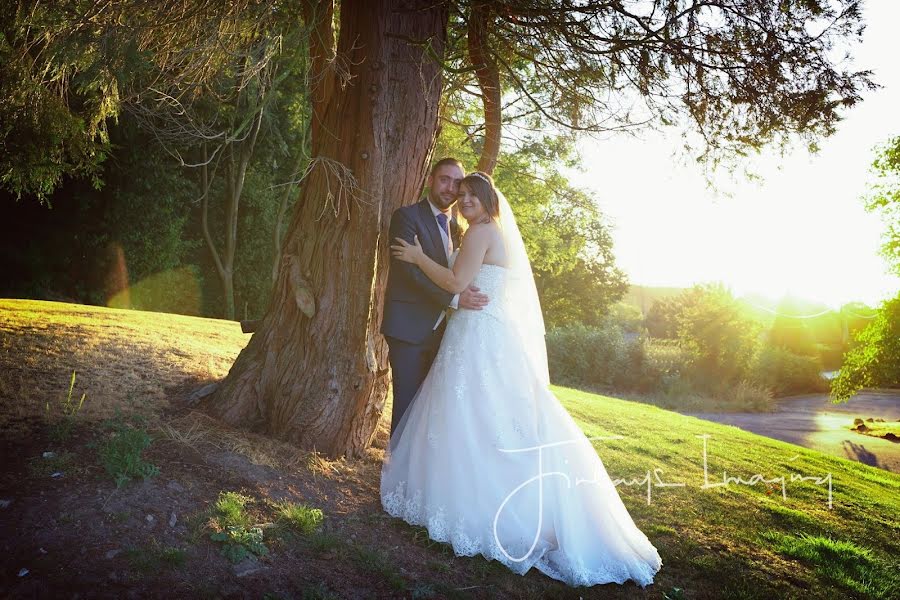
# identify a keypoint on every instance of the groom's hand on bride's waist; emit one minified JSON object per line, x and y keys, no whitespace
{"x":472,"y":298}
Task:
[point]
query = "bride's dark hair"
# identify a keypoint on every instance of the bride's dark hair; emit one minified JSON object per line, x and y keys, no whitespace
{"x":482,"y":185}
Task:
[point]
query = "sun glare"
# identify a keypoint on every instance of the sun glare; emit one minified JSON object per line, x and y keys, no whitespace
{"x":801,"y":231}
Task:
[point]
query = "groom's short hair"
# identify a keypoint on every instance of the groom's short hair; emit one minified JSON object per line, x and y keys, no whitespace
{"x":446,"y":161}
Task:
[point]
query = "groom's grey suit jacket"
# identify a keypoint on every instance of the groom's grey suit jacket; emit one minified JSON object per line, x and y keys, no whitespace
{"x":412,"y":302}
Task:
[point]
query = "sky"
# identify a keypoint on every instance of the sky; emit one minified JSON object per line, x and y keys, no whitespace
{"x":801,"y":231}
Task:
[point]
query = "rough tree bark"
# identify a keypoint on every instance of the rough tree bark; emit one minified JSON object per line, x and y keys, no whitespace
{"x":315,"y":373}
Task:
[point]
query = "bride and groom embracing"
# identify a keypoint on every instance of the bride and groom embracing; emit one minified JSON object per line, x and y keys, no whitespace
{"x":481,"y":452}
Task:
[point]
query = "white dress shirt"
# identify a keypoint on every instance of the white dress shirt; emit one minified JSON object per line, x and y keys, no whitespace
{"x":448,"y":248}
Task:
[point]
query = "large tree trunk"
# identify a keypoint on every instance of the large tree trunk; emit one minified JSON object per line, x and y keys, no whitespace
{"x":315,"y":372}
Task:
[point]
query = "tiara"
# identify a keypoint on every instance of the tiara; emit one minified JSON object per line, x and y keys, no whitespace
{"x":480,"y":176}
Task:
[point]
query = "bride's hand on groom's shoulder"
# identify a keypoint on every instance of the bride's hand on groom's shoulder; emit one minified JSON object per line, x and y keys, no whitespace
{"x":471,"y":298}
{"x":407,"y":252}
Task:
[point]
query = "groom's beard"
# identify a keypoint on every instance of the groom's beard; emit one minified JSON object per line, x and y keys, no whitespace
{"x":443,"y":202}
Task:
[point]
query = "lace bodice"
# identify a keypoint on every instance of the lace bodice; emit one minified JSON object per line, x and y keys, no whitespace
{"x":490,"y":281}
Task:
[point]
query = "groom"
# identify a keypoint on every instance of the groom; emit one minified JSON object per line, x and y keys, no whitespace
{"x":415,"y":309}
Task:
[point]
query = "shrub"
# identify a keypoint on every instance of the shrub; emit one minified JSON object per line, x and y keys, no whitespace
{"x":785,"y":373}
{"x":665,"y":362}
{"x":678,"y":393}
{"x":591,"y":356}
{"x":744,"y":395}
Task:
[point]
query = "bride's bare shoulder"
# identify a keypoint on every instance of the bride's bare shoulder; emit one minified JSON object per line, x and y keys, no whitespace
{"x":483,"y":229}
{"x":487,"y":234}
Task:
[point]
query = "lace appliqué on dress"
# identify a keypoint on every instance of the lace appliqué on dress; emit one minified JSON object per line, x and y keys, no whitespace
{"x":413,"y":511}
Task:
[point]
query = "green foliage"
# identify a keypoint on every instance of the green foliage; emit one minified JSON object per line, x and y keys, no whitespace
{"x":142,"y":237}
{"x":125,"y":245}
{"x":874,"y":359}
{"x":121,"y":453}
{"x":240,"y":543}
{"x":884,"y":198}
{"x":131,"y":244}
{"x":597,"y":356}
{"x":323,"y":541}
{"x":627,"y":316}
{"x":46,"y":134}
{"x":713,"y":70}
{"x":662,"y":318}
{"x":67,"y":68}
{"x":786,"y":373}
{"x":230,"y":510}
{"x":665,"y":363}
{"x":679,"y":393}
{"x":239,"y":539}
{"x":63,"y":424}
{"x":253,"y":263}
{"x":713,"y":327}
{"x":663,"y":372}
{"x":304,"y":519}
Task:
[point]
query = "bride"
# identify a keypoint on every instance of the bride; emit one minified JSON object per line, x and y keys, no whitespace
{"x":486,"y":457}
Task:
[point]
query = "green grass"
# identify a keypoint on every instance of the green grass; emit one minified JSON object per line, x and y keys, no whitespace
{"x":121,"y":355}
{"x":121,"y":453}
{"x":377,"y":563}
{"x":63,"y":415}
{"x":322,"y":542}
{"x":791,"y":517}
{"x":694,"y":527}
{"x":299,"y":517}
{"x":848,"y":565}
{"x":230,"y":510}
{"x":880,"y":428}
{"x":155,"y":557}
{"x":234,"y":530}
{"x":733,"y":542}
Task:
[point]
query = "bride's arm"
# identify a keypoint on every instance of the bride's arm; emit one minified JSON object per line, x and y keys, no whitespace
{"x":470,"y":257}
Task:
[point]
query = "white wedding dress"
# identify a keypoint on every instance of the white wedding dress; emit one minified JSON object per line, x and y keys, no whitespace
{"x":446,"y":468}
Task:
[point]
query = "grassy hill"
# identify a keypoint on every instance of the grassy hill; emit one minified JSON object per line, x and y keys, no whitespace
{"x":317,"y":524}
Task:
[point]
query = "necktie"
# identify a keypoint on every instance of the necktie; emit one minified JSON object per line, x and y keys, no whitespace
{"x":445,"y":225}
{"x":442,"y":220}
